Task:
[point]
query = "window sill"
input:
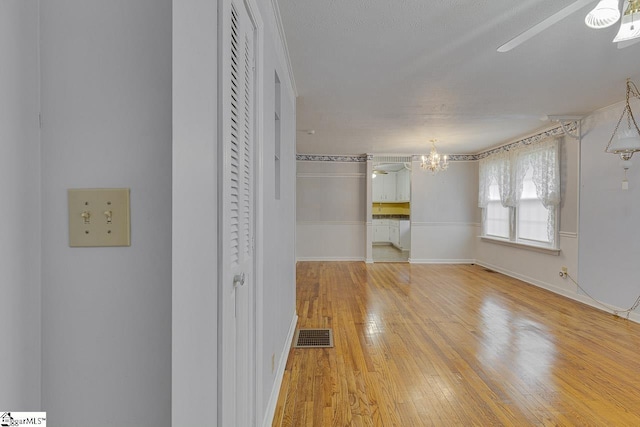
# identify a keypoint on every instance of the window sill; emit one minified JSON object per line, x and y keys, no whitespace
{"x":541,"y":249}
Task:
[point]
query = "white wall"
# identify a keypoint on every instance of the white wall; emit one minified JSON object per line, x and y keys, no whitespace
{"x":195,"y":240}
{"x":195,"y":169}
{"x":276,"y":291}
{"x":538,"y":268}
{"x":331,"y":210}
{"x":609,"y":233}
{"x":106,"y":312}
{"x":20,"y":193}
{"x":444,"y":213}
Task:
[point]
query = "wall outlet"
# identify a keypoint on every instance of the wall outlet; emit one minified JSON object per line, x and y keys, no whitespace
{"x":563,"y":272}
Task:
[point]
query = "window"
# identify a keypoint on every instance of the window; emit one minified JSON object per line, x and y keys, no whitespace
{"x":533,"y":217}
{"x":497,"y":216}
{"x":520,"y":193}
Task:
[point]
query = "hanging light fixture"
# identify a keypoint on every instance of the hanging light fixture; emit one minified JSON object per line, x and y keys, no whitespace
{"x":628,"y":139}
{"x":630,"y":25}
{"x":434,"y":162}
{"x":604,"y":15}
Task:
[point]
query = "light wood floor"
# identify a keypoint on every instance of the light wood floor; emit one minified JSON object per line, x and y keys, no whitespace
{"x":441,"y":345}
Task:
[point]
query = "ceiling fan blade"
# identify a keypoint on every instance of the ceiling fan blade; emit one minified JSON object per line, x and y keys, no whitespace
{"x":543,"y":25}
{"x":627,"y":43}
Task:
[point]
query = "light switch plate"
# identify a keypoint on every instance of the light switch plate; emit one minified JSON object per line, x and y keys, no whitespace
{"x":99,"y":217}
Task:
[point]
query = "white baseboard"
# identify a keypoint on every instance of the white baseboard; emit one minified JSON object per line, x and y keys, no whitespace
{"x":329,"y":259}
{"x":441,"y":261}
{"x":634,"y":317}
{"x":282,"y":364}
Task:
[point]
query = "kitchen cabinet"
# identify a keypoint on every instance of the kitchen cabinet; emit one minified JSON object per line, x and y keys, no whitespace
{"x":403,"y":186}
{"x":404,"y":227}
{"x":378,"y":188}
{"x":393,"y":187}
{"x":394,"y":231}
{"x":384,"y":187}
{"x":380,"y":230}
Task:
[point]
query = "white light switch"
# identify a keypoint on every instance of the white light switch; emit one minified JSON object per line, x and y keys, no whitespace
{"x":99,"y":217}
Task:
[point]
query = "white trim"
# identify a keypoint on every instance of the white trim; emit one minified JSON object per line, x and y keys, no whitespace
{"x":634,"y":316}
{"x":441,"y":261}
{"x":568,"y":234}
{"x":256,"y":346}
{"x":444,"y":224}
{"x":330,"y":175}
{"x":285,"y":47}
{"x":338,"y":259}
{"x":541,"y":249}
{"x":270,"y":410}
{"x":330,"y":223}
{"x":257,"y":354}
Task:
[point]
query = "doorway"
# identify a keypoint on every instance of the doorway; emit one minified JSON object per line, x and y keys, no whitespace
{"x":391,"y":208}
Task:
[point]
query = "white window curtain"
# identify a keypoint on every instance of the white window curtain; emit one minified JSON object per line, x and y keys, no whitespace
{"x":543,"y":158}
{"x":496,"y":169}
{"x":507,"y":169}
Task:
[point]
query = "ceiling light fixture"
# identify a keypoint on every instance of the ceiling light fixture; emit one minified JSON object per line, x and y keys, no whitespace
{"x":629,"y":27}
{"x":434,"y":162}
{"x":628,"y":140}
{"x":377,"y":172}
{"x":604,"y":15}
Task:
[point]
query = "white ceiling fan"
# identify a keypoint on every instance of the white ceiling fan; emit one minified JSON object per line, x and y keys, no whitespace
{"x":605,"y":14}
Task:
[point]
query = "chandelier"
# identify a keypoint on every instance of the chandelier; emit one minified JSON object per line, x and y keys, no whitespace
{"x":628,"y":140}
{"x":434,"y":162}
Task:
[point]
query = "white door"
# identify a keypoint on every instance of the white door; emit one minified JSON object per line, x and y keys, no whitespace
{"x":237,"y":74}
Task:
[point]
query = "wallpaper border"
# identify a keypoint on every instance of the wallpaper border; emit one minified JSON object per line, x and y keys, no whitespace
{"x":550,"y":133}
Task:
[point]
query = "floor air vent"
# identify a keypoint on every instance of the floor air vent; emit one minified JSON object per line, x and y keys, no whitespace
{"x":313,"y":338}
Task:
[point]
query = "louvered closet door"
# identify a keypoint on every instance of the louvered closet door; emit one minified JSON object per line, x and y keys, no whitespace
{"x":238,"y":122}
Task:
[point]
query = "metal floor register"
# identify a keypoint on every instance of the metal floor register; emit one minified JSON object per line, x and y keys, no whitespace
{"x":313,"y":338}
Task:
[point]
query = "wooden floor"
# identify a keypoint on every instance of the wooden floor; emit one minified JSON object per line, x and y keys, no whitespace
{"x":442,"y":345}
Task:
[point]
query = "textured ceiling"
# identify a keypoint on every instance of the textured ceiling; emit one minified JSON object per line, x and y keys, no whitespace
{"x":386,"y":76}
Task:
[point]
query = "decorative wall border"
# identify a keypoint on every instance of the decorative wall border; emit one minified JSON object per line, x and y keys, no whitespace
{"x":533,"y":139}
{"x":326,"y":158}
{"x":450,"y":157}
